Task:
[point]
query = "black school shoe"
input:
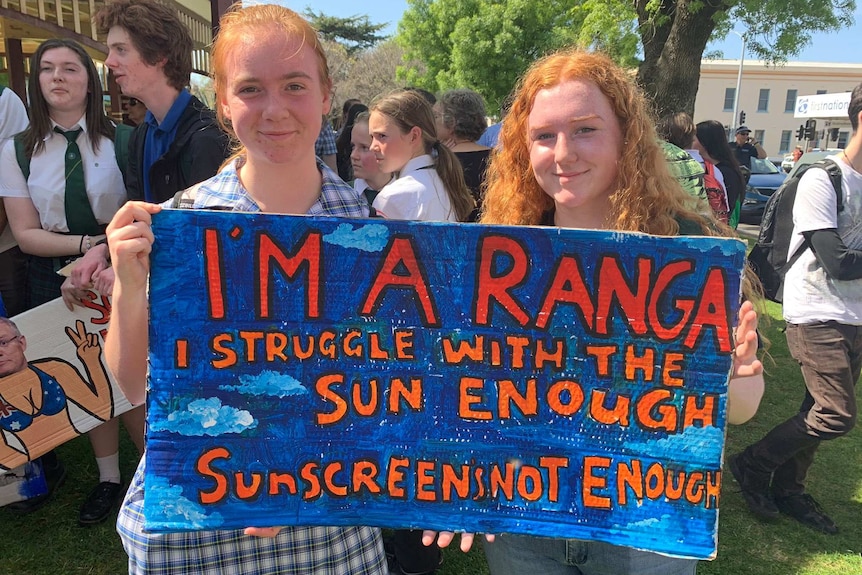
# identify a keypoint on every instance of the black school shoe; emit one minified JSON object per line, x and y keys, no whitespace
{"x":807,"y":511}
{"x":55,"y":475}
{"x":100,"y":503}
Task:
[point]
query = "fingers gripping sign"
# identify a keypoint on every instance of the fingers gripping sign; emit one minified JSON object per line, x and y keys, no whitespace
{"x":131,"y":239}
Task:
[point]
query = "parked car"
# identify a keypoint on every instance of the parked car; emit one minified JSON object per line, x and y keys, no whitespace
{"x":765,"y":179}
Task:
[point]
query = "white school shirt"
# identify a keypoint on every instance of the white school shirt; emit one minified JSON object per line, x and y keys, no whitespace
{"x":47,"y":183}
{"x":810,"y":294}
{"x":13,"y":119}
{"x":416,"y":194}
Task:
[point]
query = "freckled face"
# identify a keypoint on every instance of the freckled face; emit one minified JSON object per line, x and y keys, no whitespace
{"x":575,"y":141}
{"x":274,"y":99}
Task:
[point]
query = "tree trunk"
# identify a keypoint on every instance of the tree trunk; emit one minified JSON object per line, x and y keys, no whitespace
{"x":670,"y":72}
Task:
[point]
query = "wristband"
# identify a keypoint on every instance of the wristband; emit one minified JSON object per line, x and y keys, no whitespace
{"x":81,"y":245}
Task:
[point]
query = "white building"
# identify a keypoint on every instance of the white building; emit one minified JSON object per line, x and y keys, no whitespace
{"x":768,"y":98}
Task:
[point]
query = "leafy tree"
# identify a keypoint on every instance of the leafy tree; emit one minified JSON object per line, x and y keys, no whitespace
{"x":487,"y":44}
{"x":355,"y":32}
{"x":674,"y":34}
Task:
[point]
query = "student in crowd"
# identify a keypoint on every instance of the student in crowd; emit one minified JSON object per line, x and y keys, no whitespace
{"x":149,"y":54}
{"x":461,"y":121}
{"x":272,"y":79}
{"x":370,"y":179}
{"x":13,"y":263}
{"x":712,"y":144}
{"x":179,"y":143}
{"x":429,"y":181}
{"x":344,"y":144}
{"x":59,"y":211}
{"x":579,"y":149}
{"x":136,"y":112}
{"x":679,"y":130}
{"x":823,"y":310}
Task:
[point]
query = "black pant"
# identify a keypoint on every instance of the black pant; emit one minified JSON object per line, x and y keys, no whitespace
{"x":830,"y":355}
{"x":412,"y":556}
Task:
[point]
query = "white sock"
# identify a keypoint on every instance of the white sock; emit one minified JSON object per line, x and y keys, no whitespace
{"x":109,"y":468}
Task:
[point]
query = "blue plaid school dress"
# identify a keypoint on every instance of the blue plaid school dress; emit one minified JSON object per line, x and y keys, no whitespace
{"x":296,"y":550}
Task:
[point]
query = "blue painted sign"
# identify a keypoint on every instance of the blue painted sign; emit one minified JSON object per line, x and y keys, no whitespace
{"x":323,"y":371}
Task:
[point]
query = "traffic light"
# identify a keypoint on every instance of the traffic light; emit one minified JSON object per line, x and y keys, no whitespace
{"x":800,"y":133}
{"x":810,"y":129}
{"x":833,"y":134}
{"x":741,"y":117}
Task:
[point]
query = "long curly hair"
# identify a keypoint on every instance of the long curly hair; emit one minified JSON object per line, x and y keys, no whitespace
{"x":647,"y":198}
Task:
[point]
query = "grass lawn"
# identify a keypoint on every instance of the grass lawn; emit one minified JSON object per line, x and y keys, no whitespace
{"x":49,"y":542}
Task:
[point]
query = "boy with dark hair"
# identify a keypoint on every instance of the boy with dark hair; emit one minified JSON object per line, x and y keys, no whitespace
{"x":179,"y":143}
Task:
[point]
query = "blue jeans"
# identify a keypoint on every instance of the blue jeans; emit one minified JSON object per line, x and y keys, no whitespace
{"x":525,"y":555}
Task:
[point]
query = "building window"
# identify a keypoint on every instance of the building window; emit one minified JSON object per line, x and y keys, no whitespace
{"x":842,"y":139}
{"x":763,"y":100}
{"x":784,"y":147}
{"x":729,"y":96}
{"x":759,"y":135}
{"x":790,"y":102}
{"x":821,"y":92}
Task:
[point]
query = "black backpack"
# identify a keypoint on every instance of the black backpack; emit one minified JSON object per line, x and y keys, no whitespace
{"x":769,"y":256}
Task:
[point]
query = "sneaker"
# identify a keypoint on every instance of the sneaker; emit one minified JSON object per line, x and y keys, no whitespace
{"x":807,"y":511}
{"x":100,"y":503}
{"x":754,"y":488}
{"x":55,"y":475}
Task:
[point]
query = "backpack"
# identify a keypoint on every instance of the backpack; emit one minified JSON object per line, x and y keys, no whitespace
{"x":769,"y":256}
{"x":121,"y":150}
{"x":715,"y":193}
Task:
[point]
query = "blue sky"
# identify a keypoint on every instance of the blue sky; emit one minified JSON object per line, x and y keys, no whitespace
{"x":844,"y":46}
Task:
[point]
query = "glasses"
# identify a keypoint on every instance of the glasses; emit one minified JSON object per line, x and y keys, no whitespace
{"x":133,"y":101}
{"x":5,"y":342}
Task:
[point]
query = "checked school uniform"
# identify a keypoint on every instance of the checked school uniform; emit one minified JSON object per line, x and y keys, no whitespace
{"x":296,"y":550}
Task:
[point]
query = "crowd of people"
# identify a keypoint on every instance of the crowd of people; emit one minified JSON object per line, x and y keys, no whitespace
{"x":578,"y":148}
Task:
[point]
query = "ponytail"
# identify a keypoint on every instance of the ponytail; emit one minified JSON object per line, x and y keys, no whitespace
{"x":449,"y":168}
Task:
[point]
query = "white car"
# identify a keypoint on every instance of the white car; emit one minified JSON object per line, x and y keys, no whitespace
{"x":787,"y":163}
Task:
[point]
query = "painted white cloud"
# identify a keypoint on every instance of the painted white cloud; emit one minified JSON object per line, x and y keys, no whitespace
{"x":368,"y":238}
{"x":206,"y":417}
{"x":173,"y":507}
{"x":270,"y":383}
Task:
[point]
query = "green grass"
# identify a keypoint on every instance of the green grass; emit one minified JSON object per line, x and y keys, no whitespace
{"x":49,"y":542}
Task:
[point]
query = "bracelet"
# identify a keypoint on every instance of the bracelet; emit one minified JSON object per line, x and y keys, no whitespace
{"x":86,"y":244}
{"x":81,"y":245}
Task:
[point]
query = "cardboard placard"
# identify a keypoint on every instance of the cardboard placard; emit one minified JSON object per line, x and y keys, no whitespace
{"x":54,"y":384}
{"x":323,"y":371}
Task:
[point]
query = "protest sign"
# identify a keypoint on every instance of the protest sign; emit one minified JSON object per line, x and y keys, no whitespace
{"x":323,"y":371}
{"x":53,"y":382}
